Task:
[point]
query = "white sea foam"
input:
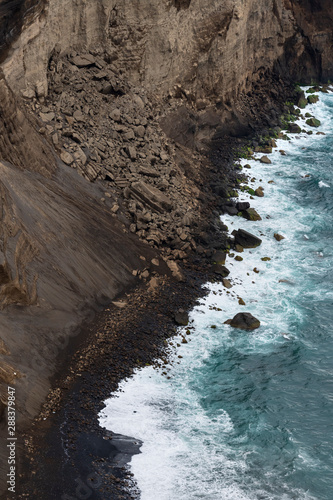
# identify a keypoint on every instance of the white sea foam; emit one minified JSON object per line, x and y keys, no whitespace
{"x":185,"y":451}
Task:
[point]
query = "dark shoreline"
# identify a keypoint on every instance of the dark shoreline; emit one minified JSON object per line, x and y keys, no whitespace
{"x":74,"y":429}
{"x":65,"y":446}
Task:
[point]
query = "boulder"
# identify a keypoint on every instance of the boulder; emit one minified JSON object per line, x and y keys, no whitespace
{"x":181,"y":318}
{"x":312,"y":99}
{"x":67,"y":158}
{"x":219,"y":257}
{"x":302,"y":103}
{"x":230,"y":210}
{"x":259,"y":192}
{"x":251,"y":214}
{"x":242,"y":205}
{"x":246,"y":240}
{"x":244,"y":321}
{"x":84,"y":60}
{"x":313,"y":122}
{"x":294,"y":128}
{"x":150,"y":196}
{"x":226,"y":283}
{"x":265,"y":159}
{"x":220,"y":270}
{"x":115,"y":115}
{"x":278,"y":237}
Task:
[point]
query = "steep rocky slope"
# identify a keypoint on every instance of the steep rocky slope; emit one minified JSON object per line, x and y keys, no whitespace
{"x":107,"y":109}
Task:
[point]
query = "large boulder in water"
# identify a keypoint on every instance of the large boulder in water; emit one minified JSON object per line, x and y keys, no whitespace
{"x":244,"y":321}
{"x":246,"y":240}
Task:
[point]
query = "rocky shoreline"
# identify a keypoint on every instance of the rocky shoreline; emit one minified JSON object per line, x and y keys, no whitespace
{"x":66,"y":439}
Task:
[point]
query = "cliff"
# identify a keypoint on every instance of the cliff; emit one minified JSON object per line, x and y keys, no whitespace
{"x":166,"y":77}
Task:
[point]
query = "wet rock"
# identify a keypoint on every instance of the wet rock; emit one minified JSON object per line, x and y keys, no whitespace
{"x":246,"y":239}
{"x":226,"y":283}
{"x":219,"y":257}
{"x":220,"y":270}
{"x":265,"y":159}
{"x":293,"y":128}
{"x":241,"y":302}
{"x":244,"y":321}
{"x":302,"y":102}
{"x":242,"y":205}
{"x":251,"y":214}
{"x":230,"y":210}
{"x":313,"y":122}
{"x":259,"y":192}
{"x":312,"y":99}
{"x":278,"y":237}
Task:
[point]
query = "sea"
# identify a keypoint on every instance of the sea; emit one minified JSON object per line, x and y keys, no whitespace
{"x":240,"y":415}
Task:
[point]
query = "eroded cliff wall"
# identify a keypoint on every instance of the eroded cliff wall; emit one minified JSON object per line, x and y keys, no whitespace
{"x":212,"y":48}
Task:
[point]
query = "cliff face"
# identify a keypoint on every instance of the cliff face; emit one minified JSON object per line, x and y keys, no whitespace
{"x":211,"y":48}
{"x":201,"y":66}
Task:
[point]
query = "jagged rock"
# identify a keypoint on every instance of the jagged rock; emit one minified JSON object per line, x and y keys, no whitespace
{"x":131,"y":152}
{"x":67,"y":158}
{"x":293,"y":128}
{"x":181,"y":318}
{"x":140,"y":131}
{"x":115,"y":115}
{"x":83,"y":60}
{"x":219,"y":257}
{"x":151,"y":196}
{"x":47,"y":117}
{"x":230,"y":210}
{"x":251,"y":214}
{"x":246,"y":240}
{"x":265,"y":159}
{"x":242,"y":205}
{"x":244,"y":321}
{"x":278,"y":237}
{"x":78,"y":116}
{"x":80,"y":156}
{"x":220,"y":270}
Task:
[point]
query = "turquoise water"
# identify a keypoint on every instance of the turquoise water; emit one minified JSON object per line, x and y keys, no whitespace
{"x":250,"y":415}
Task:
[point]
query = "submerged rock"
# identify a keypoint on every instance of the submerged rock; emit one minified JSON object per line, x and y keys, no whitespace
{"x":244,"y":321}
